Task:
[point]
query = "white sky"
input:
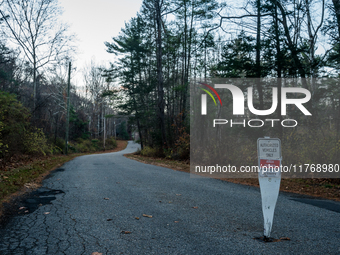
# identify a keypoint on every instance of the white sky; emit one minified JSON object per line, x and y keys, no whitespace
{"x":95,"y":22}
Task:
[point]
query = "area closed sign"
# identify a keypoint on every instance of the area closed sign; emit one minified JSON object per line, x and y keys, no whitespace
{"x":269,"y":163}
{"x":269,"y":148}
{"x":269,"y":157}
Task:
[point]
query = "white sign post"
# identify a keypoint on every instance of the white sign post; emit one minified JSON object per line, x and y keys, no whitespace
{"x":269,"y":160}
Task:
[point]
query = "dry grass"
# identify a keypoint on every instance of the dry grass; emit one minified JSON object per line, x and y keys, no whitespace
{"x":322,"y":188}
{"x":173,"y":164}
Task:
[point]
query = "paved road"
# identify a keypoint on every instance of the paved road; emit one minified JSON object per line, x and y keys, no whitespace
{"x":91,"y":204}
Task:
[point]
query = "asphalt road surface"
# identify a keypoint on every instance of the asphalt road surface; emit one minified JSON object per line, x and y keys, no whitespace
{"x":96,"y":203}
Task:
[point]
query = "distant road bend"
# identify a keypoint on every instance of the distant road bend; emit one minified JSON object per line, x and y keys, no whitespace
{"x":96,"y":203}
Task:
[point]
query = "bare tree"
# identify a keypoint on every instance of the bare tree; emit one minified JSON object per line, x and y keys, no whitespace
{"x":96,"y":85}
{"x":34,"y":26}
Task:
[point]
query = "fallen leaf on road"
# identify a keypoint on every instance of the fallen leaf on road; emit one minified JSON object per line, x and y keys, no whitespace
{"x":195,"y":207}
{"x":126,"y":232}
{"x":160,"y":201}
{"x":176,"y":221}
{"x":178,"y":194}
{"x":145,"y":215}
{"x":137,"y":218}
{"x":285,"y":238}
{"x":26,"y":211}
{"x":170,"y":202}
{"x":46,"y":212}
{"x":96,"y":253}
{"x":21,"y":208}
{"x":106,"y":198}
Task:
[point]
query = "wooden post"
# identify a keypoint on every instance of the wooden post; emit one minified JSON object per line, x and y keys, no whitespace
{"x":68,"y":108}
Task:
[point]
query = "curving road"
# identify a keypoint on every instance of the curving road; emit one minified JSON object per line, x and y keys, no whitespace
{"x":96,"y":203}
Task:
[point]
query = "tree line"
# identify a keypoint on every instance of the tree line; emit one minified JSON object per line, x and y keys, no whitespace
{"x":158,"y":53}
{"x":170,"y":44}
{"x":35,"y":51}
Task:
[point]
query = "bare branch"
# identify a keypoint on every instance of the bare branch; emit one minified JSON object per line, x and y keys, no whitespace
{"x":31,"y":25}
{"x":169,"y":12}
{"x":221,"y":22}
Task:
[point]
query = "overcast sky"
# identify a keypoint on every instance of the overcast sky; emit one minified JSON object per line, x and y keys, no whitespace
{"x":94,"y":22}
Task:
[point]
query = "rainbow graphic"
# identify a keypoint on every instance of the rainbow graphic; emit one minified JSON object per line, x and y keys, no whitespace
{"x":204,"y":97}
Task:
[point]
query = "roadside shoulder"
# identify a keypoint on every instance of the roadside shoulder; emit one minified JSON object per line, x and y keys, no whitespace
{"x":317,"y":188}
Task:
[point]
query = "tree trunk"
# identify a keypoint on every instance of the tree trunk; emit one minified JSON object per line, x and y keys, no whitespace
{"x":279,"y":68}
{"x":160,"y":88}
{"x":292,"y":46}
{"x":258,"y":53}
{"x":34,"y":86}
{"x":336,"y":4}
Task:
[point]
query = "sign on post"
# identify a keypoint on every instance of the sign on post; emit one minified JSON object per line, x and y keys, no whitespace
{"x":269,"y":158}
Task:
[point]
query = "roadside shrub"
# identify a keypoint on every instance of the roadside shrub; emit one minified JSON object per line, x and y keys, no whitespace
{"x":14,"y":120}
{"x":59,"y":145}
{"x":308,"y":147}
{"x":183,"y":145}
{"x":80,"y":140}
{"x":110,"y":143}
{"x":181,"y":149}
{"x":71,"y":147}
{"x":17,"y":136}
{"x":96,"y":144}
{"x":3,"y":147}
{"x":151,"y":152}
{"x":35,"y":143}
{"x":84,"y":146}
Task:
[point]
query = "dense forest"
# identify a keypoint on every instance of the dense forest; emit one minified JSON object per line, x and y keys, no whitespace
{"x":158,"y":53}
